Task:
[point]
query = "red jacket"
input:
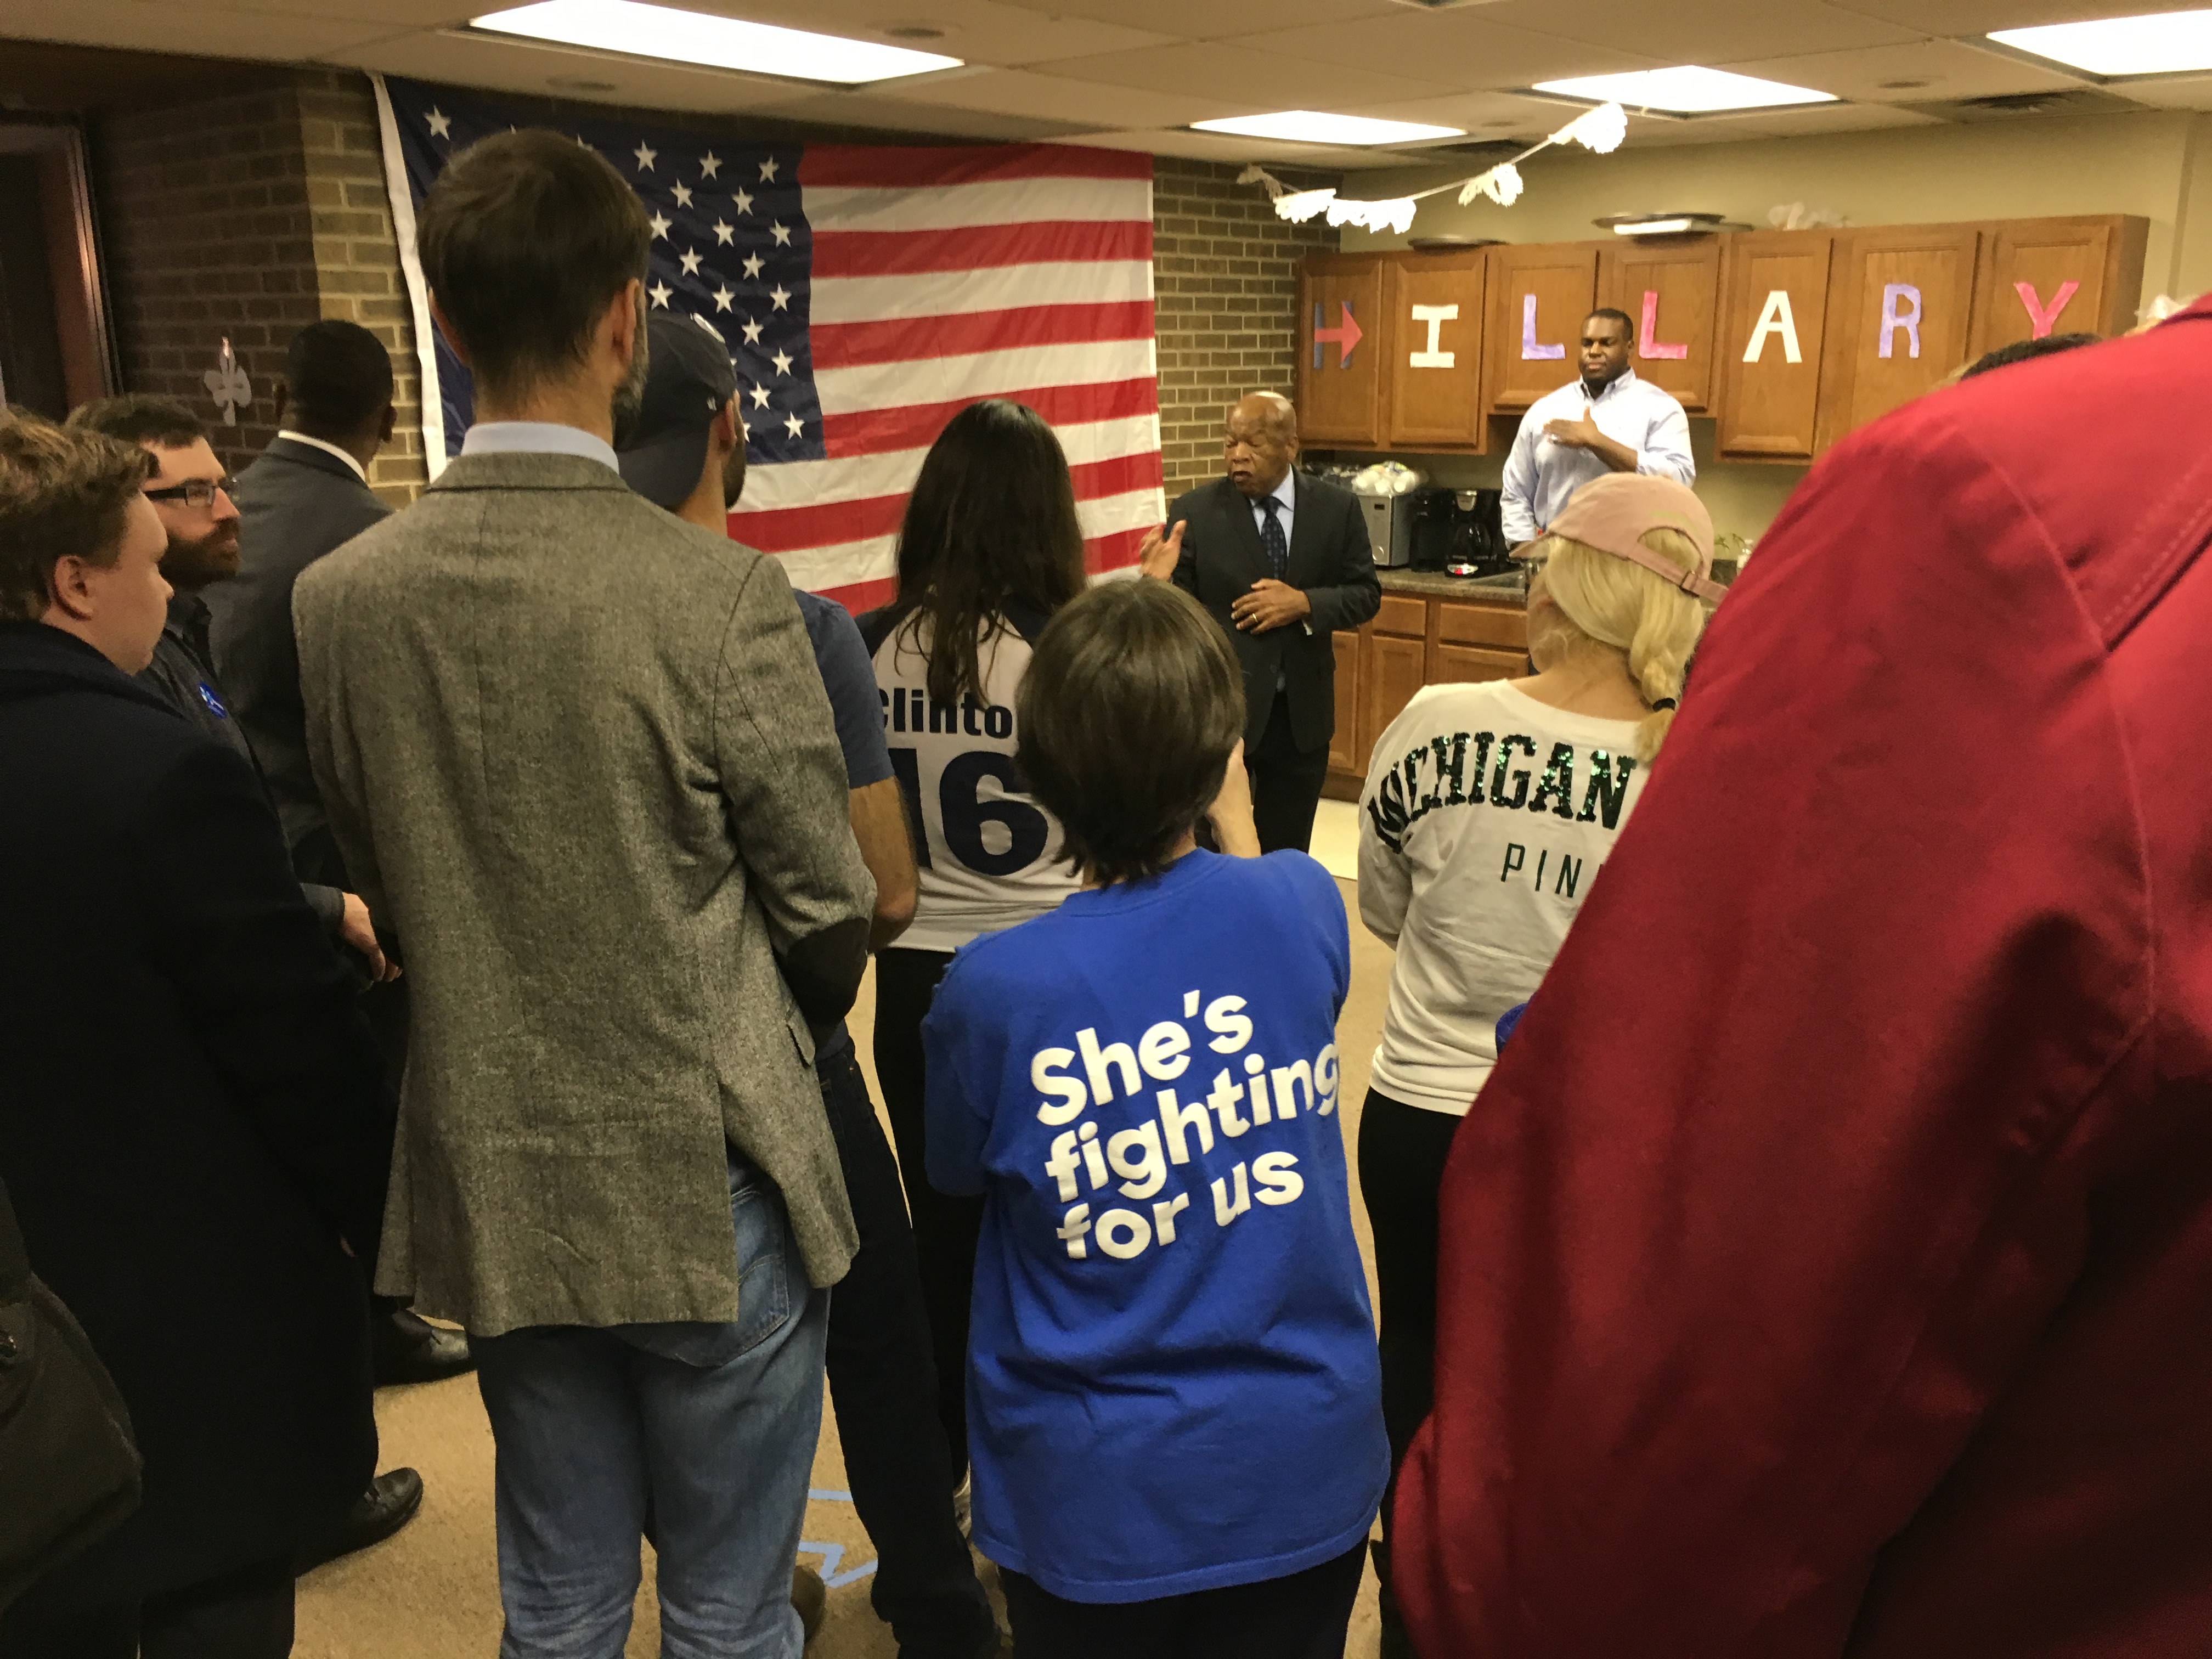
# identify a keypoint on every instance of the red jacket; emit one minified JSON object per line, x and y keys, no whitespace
{"x":1827,"y":1268}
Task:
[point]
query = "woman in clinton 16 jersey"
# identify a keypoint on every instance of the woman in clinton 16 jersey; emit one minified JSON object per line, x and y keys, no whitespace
{"x":989,"y":549}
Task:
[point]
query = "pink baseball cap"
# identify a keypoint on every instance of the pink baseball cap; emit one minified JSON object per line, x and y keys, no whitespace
{"x":1612,"y":513}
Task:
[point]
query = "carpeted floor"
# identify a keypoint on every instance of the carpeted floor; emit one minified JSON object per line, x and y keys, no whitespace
{"x":432,"y":1591}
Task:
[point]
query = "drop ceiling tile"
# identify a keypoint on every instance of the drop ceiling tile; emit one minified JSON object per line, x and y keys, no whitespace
{"x":1307,"y":161}
{"x":1464,"y":49}
{"x":886,"y":112}
{"x":1698,"y":31}
{"x":1957,"y":17}
{"x":474,"y":60}
{"x":975,"y":30}
{"x":1056,"y":97}
{"x":1939,"y":69}
{"x":1834,"y":118}
{"x":1244,"y":75}
{"x":1480,"y":115}
{"x":2168,"y":92}
{"x":1213,"y":19}
{"x":200,"y":31}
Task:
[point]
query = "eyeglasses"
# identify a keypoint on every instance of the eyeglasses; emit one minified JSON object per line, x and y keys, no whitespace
{"x":195,"y":492}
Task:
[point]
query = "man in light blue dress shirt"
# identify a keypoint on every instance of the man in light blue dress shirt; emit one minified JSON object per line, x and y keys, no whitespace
{"x":1608,"y":421}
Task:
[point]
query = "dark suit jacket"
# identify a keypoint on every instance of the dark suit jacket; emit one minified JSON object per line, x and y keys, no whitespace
{"x":1330,"y":558}
{"x":190,"y":1118}
{"x":295,"y":504}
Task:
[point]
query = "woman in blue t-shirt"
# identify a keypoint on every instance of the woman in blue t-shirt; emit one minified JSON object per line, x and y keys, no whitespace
{"x":1173,"y":1404}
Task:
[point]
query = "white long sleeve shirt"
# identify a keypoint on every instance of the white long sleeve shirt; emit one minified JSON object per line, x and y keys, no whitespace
{"x":1541,"y":474}
{"x":1485,"y":818}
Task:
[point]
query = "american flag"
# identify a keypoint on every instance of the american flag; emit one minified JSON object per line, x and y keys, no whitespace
{"x":866,"y":294}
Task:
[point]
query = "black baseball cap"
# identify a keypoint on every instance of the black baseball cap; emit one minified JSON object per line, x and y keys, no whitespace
{"x":689,"y":378}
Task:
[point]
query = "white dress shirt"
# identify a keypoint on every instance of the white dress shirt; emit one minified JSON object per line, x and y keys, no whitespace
{"x":1541,"y":474}
{"x":290,"y":436}
{"x":537,"y":438}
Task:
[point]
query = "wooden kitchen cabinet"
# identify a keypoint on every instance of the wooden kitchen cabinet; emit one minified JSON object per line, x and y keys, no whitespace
{"x":1341,"y":337}
{"x":1344,"y":741}
{"x":2043,"y":276}
{"x":1669,"y":290}
{"x":1539,"y":296}
{"x":1773,"y":320}
{"x":1391,"y":670}
{"x":1900,"y":318}
{"x":1432,"y":391}
{"x":1415,"y":640}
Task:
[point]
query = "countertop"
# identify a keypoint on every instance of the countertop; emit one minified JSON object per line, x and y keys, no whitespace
{"x":1435,"y":585}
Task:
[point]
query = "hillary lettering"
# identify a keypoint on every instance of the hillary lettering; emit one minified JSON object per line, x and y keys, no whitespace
{"x":1134,"y":1151}
{"x":1476,"y":769}
{"x":915,"y":711}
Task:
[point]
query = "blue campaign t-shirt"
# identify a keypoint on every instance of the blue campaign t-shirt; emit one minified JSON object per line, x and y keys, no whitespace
{"x":850,"y":677}
{"x":1173,"y":1383}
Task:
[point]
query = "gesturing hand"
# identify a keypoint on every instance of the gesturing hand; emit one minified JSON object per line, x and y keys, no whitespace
{"x":1576,"y":435}
{"x":1157,"y":556}
{"x":1270,"y":604}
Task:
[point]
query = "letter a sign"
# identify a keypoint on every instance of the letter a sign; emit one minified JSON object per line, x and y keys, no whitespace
{"x":1775,"y":318}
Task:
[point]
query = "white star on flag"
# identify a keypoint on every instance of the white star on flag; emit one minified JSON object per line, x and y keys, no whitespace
{"x":752,"y":266}
{"x":660,"y":291}
{"x":722,"y":297}
{"x":781,"y":233}
{"x":709,"y":165}
{"x":782,"y":362}
{"x":793,"y":425}
{"x":745,"y":427}
{"x":439,"y":122}
{"x":781,"y":296}
{"x":752,"y":332}
{"x":744,"y":201}
{"x":660,"y":224}
{"x":768,"y":171}
{"x":723,"y":231}
{"x":691,"y":262}
{"x":760,"y":397}
{"x":646,"y":157}
{"x":683,"y":196}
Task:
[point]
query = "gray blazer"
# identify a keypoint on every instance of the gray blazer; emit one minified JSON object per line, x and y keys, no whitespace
{"x":295,"y":504}
{"x":578,"y":752}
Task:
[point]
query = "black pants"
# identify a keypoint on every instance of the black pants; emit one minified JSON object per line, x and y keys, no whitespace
{"x":944,"y":1229}
{"x":1287,"y":783}
{"x":1302,"y":1616}
{"x":1401,"y":1165}
{"x":246,"y":1614}
{"x":883,"y":1383}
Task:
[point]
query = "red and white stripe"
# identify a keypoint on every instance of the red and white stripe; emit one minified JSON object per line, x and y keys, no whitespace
{"x":944,"y":277}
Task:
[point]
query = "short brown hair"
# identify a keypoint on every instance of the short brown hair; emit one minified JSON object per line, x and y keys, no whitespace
{"x":161,"y":421}
{"x":62,"y":493}
{"x":1129,"y":714}
{"x":525,"y":239}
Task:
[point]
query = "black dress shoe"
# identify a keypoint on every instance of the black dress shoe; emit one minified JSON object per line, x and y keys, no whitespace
{"x":389,"y":1504}
{"x":404,"y":1347}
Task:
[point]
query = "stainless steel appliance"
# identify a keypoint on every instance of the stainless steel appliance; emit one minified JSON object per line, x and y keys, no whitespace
{"x":1390,"y":526}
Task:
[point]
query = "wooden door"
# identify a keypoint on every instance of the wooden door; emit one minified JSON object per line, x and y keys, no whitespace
{"x":1391,"y":670}
{"x":1344,"y":741}
{"x":1900,"y":318}
{"x":1773,"y":320}
{"x":1432,"y":383}
{"x":1539,"y":296}
{"x":1670,"y":294}
{"x":1340,"y":344}
{"x":2042,"y":276}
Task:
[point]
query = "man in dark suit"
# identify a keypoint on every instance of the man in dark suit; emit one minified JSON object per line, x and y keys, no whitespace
{"x":194,"y":1127}
{"x":1281,"y":559}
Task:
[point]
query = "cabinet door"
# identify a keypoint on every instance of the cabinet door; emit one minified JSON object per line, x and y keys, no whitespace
{"x":1669,"y":295}
{"x":1390,"y":671}
{"x":1539,"y":296}
{"x":1900,"y":319}
{"x":1502,"y":627}
{"x":1432,"y":386}
{"x":1773,"y":320}
{"x":1451,"y":665}
{"x":1340,"y":330}
{"x":2057,"y":276}
{"x":1344,"y":741}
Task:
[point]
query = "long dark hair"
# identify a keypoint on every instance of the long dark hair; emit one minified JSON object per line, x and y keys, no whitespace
{"x":991,"y":523}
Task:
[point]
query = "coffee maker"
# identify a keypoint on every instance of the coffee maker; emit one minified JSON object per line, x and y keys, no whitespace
{"x":1459,"y":531}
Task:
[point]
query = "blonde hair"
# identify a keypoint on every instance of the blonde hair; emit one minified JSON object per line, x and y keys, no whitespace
{"x":1607,"y":603}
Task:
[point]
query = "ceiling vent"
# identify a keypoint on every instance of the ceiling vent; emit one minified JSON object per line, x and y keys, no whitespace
{"x":2012,"y":106}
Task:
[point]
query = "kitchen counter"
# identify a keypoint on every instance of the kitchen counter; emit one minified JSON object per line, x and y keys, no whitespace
{"x":1435,"y":585}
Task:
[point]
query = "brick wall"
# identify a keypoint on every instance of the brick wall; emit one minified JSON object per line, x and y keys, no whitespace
{"x":1226,"y":270}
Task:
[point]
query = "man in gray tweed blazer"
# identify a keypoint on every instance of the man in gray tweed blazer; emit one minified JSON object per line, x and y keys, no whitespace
{"x":577,"y":752}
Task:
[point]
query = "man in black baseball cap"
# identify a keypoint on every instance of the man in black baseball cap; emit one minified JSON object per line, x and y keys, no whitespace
{"x":690,"y":388}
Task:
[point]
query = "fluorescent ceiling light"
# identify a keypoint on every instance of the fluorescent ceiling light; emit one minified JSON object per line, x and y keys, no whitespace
{"x":1305,"y":126}
{"x":1687,"y":90}
{"x":691,"y":37}
{"x":1658,"y":228}
{"x":2169,"y":43}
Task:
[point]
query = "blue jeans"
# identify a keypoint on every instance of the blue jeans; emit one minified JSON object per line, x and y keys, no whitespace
{"x":701,"y":1437}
